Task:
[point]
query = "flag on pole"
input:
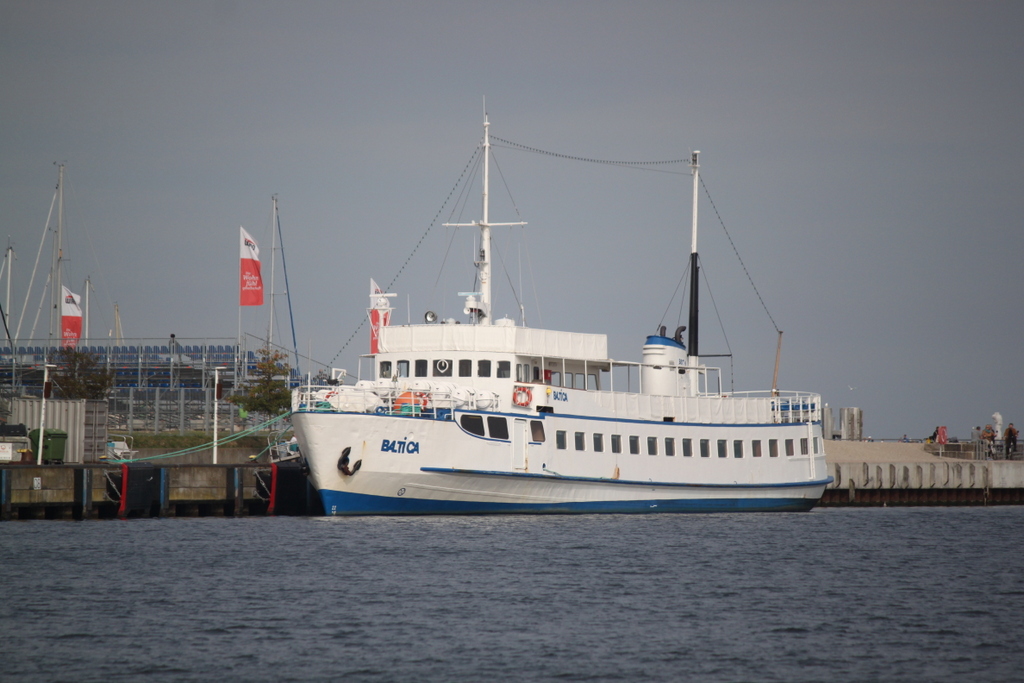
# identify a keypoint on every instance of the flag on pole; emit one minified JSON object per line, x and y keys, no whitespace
{"x":250,"y":280}
{"x":70,"y":318}
{"x":380,"y":314}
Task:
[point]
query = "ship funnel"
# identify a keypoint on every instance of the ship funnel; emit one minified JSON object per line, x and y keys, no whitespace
{"x":662,"y":373}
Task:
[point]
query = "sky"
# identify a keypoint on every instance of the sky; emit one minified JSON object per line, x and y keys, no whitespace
{"x":863,"y":157}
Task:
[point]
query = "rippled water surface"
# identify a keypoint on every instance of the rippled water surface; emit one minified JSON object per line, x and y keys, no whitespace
{"x":904,"y":594}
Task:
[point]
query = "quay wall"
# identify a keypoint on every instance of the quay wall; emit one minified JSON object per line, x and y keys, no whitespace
{"x":864,"y":474}
{"x":95,"y":491}
{"x":875,"y":473}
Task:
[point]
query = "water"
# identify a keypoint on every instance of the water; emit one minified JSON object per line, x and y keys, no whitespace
{"x":897,"y":594}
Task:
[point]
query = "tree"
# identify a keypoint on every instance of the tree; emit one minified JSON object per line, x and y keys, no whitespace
{"x":79,"y":374}
{"x":265,"y":393}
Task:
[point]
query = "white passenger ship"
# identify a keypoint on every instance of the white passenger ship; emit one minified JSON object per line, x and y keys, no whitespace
{"x":494,"y":417}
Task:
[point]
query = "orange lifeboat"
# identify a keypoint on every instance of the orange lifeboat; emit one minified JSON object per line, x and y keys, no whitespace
{"x":411,"y":402}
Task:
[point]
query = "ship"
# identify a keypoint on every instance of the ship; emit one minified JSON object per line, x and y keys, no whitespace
{"x":493,"y":417}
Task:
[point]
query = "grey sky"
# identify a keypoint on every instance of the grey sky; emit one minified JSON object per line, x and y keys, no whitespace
{"x":865,"y":157}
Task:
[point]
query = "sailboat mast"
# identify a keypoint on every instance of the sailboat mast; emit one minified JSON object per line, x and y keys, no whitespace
{"x":56,"y":293}
{"x":485,"y":231}
{"x":85,"y":326}
{"x":7,"y":300}
{"x":273,"y":243}
{"x":694,"y":269}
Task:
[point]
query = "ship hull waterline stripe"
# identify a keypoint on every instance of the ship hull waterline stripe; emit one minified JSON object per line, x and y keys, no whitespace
{"x":625,"y":482}
{"x":340,"y":503}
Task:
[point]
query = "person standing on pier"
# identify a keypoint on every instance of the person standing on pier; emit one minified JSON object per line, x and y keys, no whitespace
{"x":988,"y":436}
{"x":1010,"y":441}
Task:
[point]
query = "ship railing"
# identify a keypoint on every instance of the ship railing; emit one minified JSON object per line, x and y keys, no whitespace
{"x":788,"y":406}
{"x":388,"y":398}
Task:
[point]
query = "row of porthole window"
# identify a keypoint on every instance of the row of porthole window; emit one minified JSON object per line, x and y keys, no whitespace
{"x":740,"y":448}
{"x":443,"y":367}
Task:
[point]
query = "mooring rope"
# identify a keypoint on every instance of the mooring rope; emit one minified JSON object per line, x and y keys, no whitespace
{"x":207,"y":446}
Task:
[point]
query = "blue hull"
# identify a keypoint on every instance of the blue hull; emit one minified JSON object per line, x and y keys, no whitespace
{"x":343,"y":503}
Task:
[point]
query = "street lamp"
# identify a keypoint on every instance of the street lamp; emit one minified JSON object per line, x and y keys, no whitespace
{"x":42,"y":414}
{"x":216,"y":399}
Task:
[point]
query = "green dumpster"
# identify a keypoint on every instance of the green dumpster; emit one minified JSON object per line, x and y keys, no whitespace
{"x":54,"y":443}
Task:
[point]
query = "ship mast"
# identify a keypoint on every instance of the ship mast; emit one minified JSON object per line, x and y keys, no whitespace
{"x":694,"y":355}
{"x":481,"y":309}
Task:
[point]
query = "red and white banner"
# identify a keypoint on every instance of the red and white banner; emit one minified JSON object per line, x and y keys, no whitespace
{"x":70,"y":318}
{"x":250,"y":292}
{"x":380,"y":314}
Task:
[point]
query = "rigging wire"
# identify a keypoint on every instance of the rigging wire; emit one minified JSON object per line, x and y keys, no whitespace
{"x":629,"y":164}
{"x":736,"y":251}
{"x":721,"y":325}
{"x":460,"y":206}
{"x":413,"y":252}
{"x":519,"y":216}
{"x":104,"y":287}
{"x":637,"y":165}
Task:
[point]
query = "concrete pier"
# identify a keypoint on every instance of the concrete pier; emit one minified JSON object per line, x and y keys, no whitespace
{"x":874,"y":473}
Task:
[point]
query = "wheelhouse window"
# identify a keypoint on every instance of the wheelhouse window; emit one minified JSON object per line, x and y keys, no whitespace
{"x":580,"y":441}
{"x":652,"y":445}
{"x":474,"y":424}
{"x":592,"y":382}
{"x":483,"y":368}
{"x":598,"y":443}
{"x":755,"y":447}
{"x":705,"y":448}
{"x":789,"y":447}
{"x":634,"y":445}
{"x":580,"y":381}
{"x":498,"y":427}
{"x":385,"y":370}
{"x":465,"y":368}
{"x":504,"y":369}
{"x":560,"y":439}
{"x":568,"y":380}
{"x":442,"y":368}
{"x":537,"y":430}
{"x":403,"y":368}
{"x":773,"y":448}
{"x":421,"y":367}
{"x":722,"y":448}
{"x":687,"y":448}
{"x":737,"y":448}
{"x":816,"y":444}
{"x":670,"y":446}
{"x":616,"y":443}
{"x":556,"y":379}
{"x":522,"y":372}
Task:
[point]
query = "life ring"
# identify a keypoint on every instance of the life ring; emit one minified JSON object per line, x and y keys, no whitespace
{"x":522,"y":396}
